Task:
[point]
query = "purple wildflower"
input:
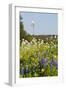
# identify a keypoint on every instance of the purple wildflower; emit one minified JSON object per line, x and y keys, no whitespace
{"x":22,"y":71}
{"x":51,"y":64}
{"x":55,"y":64}
{"x":44,"y":62}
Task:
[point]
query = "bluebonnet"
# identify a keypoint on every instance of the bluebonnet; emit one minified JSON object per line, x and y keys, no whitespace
{"x":53,"y":62}
{"x":22,"y":71}
{"x":44,"y":62}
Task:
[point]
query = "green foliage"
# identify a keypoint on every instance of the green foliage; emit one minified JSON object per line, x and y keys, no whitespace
{"x":23,"y":33}
{"x":32,"y":52}
{"x":34,"y":49}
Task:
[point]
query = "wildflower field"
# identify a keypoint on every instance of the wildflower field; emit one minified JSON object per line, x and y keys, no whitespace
{"x":39,"y":57}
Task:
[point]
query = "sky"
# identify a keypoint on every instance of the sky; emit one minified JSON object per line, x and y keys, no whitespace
{"x":45,"y":23}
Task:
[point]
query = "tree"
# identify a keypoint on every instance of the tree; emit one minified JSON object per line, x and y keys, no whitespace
{"x":23,"y":33}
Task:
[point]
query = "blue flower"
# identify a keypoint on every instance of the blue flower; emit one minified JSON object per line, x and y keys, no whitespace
{"x":22,"y":71}
{"x":51,"y":64}
{"x":44,"y":62}
{"x":55,"y":64}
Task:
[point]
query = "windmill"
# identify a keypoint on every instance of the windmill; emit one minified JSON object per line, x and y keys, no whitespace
{"x":33,"y":26}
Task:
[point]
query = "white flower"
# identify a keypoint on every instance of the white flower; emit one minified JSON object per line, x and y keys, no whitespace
{"x":42,"y":41}
{"x":55,"y":36}
{"x":31,"y":43}
{"x":23,"y":39}
{"x":26,"y":42}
